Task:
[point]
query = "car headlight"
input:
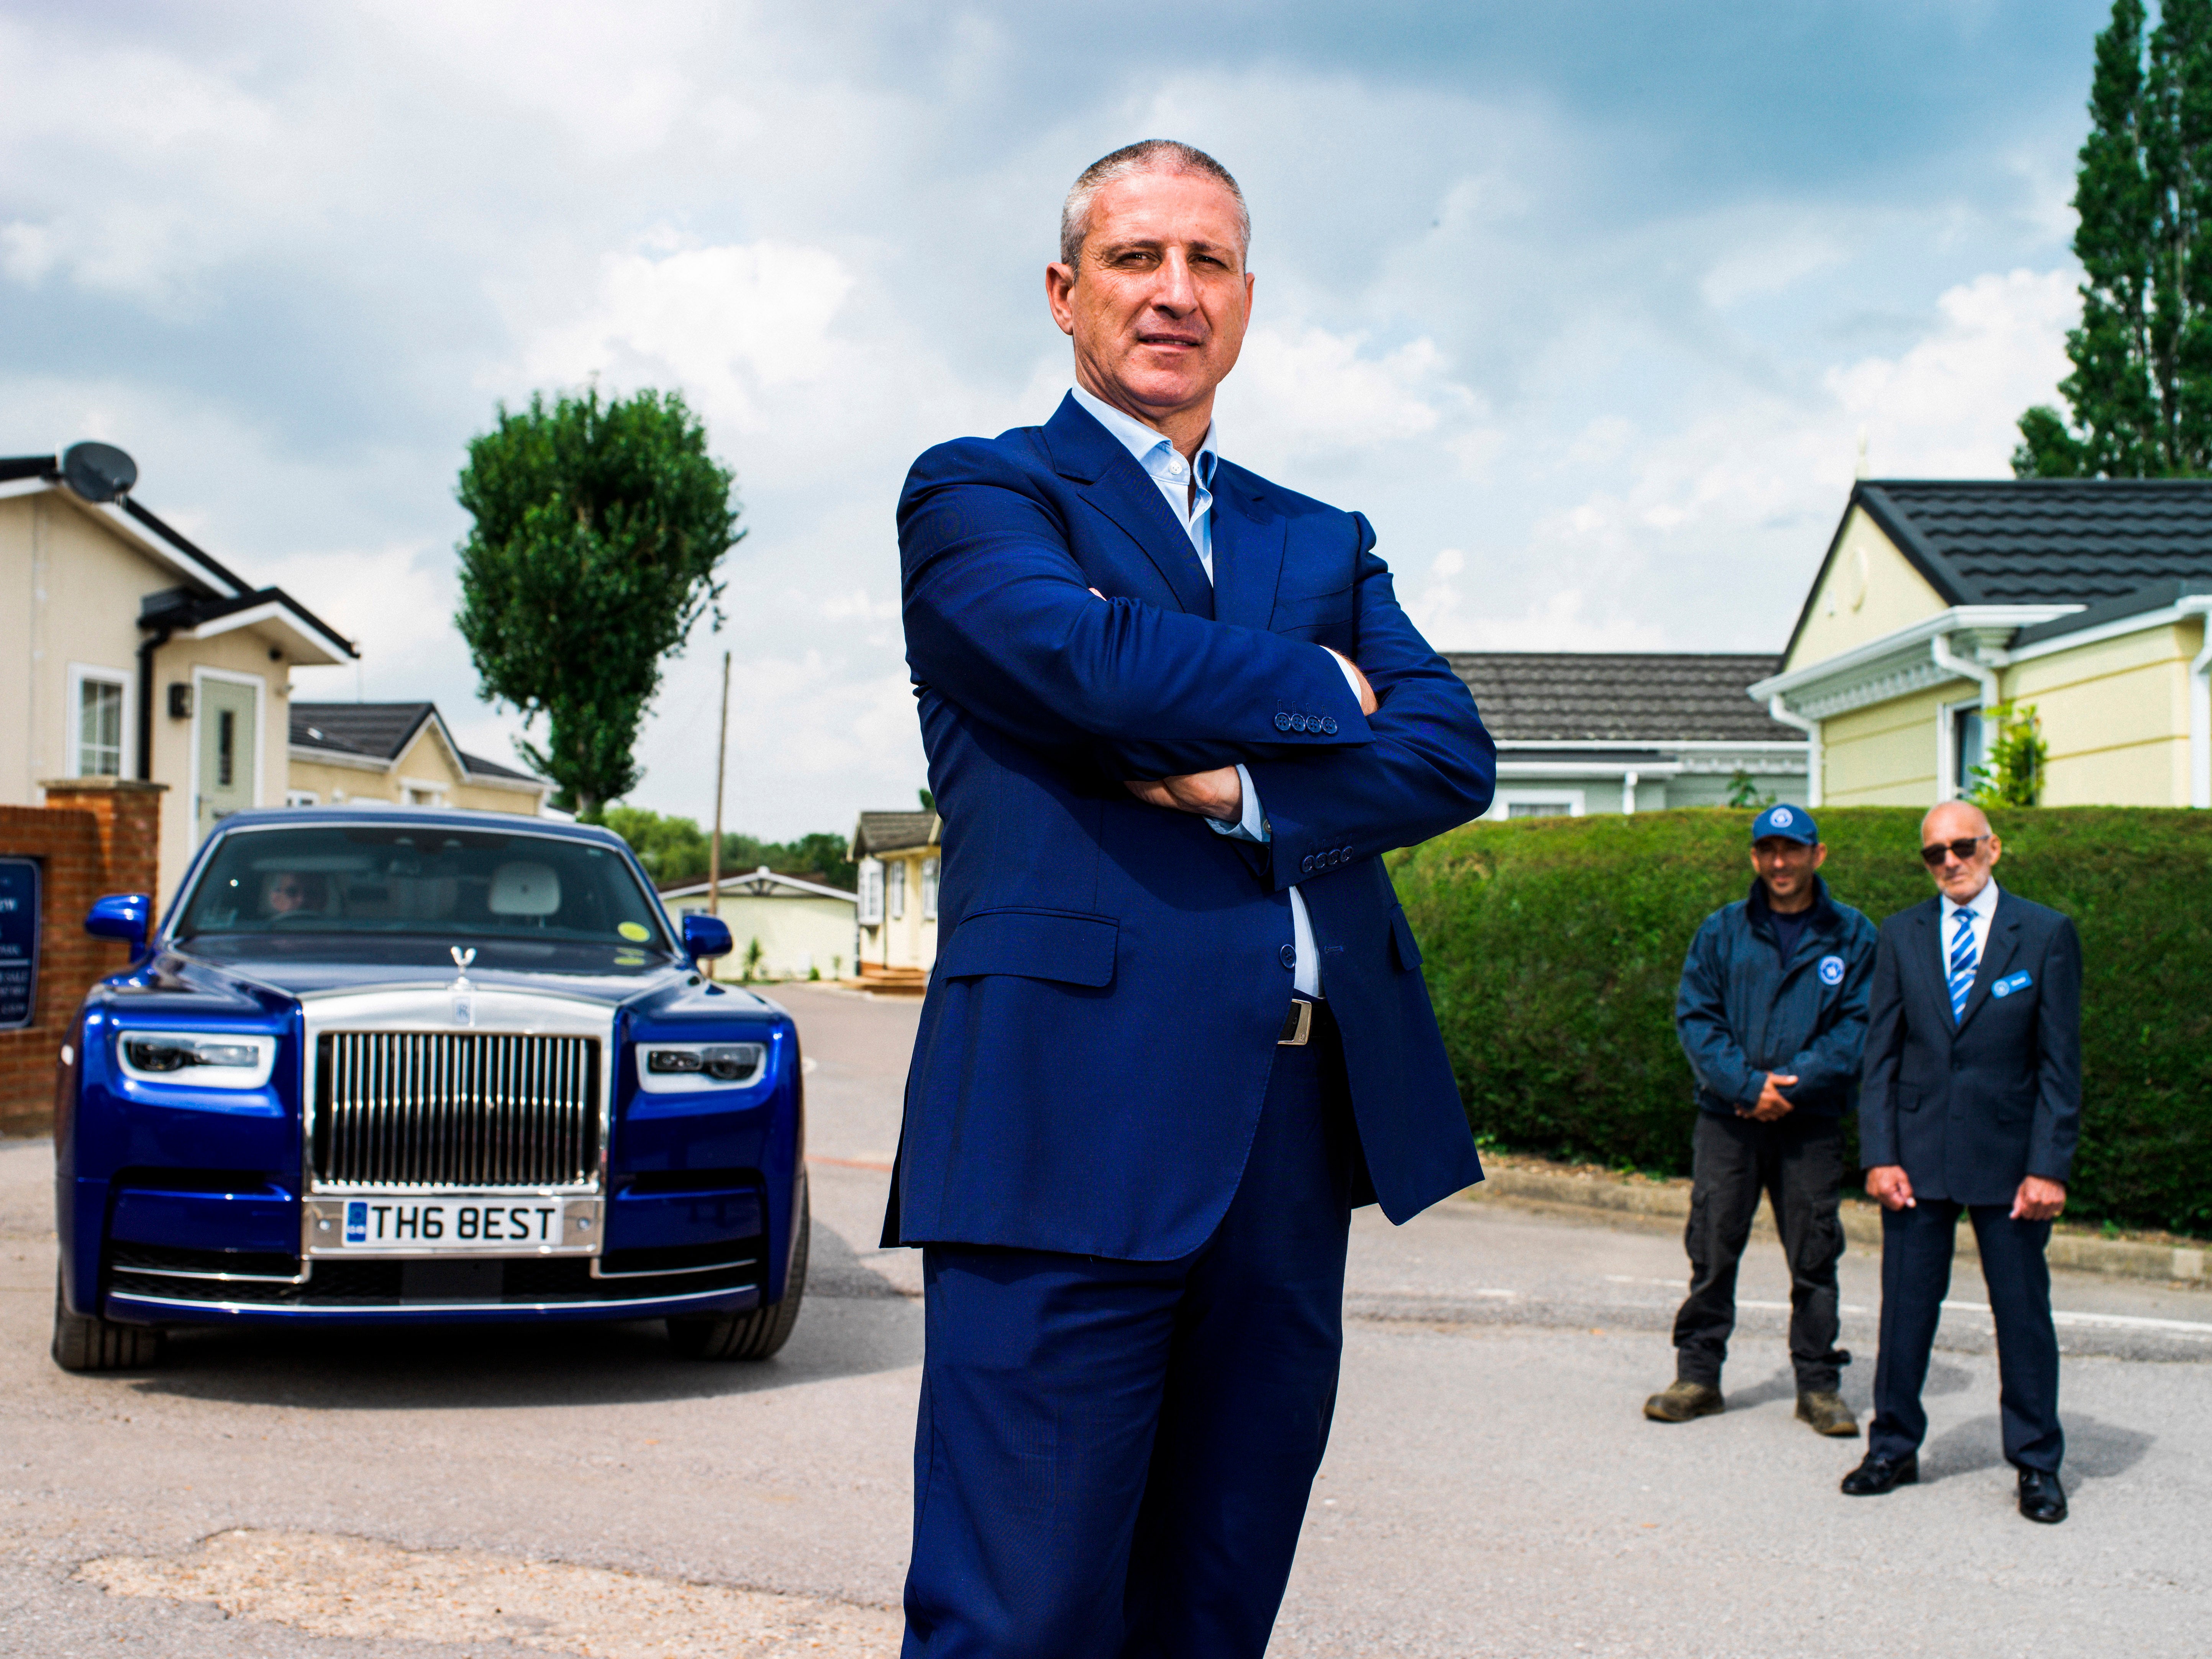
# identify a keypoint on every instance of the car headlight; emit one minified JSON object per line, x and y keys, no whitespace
{"x":685,"y":1067}
{"x":197,"y":1060}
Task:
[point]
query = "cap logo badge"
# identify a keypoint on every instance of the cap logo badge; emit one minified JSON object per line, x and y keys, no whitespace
{"x":1781,"y":817}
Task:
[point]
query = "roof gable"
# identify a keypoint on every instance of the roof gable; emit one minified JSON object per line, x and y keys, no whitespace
{"x":877,"y":833}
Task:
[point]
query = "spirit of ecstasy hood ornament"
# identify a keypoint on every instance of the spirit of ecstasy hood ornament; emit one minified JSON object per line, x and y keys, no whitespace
{"x":464,"y":1006}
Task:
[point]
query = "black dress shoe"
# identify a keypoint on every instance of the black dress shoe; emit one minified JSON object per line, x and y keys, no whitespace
{"x":2041,"y":1498}
{"x":1876,"y":1475}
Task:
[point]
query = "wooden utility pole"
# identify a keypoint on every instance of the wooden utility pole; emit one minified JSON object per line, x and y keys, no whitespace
{"x":714,"y":850}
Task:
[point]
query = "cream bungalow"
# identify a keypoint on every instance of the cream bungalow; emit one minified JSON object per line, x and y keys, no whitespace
{"x":1938,"y":601}
{"x":127,"y":651}
{"x":897,"y":853}
{"x":1583,"y":731}
{"x":396,"y":753}
{"x":804,"y":928}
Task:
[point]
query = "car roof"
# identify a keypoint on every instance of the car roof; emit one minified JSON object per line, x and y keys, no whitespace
{"x":428,"y":818}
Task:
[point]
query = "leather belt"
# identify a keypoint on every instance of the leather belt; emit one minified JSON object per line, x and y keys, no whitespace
{"x":1298,"y":1025}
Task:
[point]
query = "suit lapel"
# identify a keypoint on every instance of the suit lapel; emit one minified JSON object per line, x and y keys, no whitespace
{"x":1248,"y":550}
{"x":1996,"y":961}
{"x":1111,"y":481}
{"x":1930,"y":978}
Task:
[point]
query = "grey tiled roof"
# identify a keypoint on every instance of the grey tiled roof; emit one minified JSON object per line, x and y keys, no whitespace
{"x":379,"y":730}
{"x":2046,"y":541}
{"x":376,"y":729}
{"x":1632,"y":696}
{"x":882,"y":832}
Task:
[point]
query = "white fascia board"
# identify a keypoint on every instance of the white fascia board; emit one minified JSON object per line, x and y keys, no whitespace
{"x":2164,"y":617}
{"x":520,"y":786}
{"x":306,"y":646}
{"x":1586,"y":768}
{"x":1668,"y":745}
{"x":15,"y":487}
{"x":1909,"y":641}
{"x":304,"y":751}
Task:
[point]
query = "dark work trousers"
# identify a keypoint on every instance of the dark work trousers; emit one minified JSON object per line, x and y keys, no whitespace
{"x":1113,"y":1458}
{"x":1798,"y":1163}
{"x":1916,"y":1275}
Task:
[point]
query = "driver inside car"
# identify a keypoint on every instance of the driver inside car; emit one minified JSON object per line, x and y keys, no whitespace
{"x":294,"y":893}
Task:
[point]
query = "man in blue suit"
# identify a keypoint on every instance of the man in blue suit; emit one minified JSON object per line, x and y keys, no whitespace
{"x":1175,"y":1031}
{"x":1971,"y":1100}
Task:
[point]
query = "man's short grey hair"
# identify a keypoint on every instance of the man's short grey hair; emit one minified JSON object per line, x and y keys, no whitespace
{"x":1147,"y":155}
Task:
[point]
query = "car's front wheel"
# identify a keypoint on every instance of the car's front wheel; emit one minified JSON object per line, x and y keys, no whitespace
{"x":757,"y":1335}
{"x":86,"y":1342}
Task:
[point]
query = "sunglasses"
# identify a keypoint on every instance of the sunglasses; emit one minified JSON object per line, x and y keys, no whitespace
{"x":1961,"y":850}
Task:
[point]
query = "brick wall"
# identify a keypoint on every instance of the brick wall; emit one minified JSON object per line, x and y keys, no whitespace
{"x":93,"y":835}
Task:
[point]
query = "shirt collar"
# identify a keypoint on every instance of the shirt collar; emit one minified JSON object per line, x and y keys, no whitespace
{"x":1151,"y":449}
{"x":1983,"y":904}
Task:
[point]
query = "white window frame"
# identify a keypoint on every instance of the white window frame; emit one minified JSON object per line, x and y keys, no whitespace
{"x":929,"y":876}
{"x":1947,"y":786}
{"x":871,"y":893}
{"x":303,"y":798}
{"x":895,"y":888}
{"x":73,"y":717}
{"x":201,"y":675}
{"x":1535,"y":794}
{"x":430,"y":786}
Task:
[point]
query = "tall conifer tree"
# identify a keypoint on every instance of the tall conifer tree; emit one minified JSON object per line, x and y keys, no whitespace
{"x":2141,"y":392}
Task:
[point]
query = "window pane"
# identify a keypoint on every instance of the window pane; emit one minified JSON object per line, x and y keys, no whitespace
{"x":100,"y":729}
{"x":1967,"y":745}
{"x":1538,"y":809}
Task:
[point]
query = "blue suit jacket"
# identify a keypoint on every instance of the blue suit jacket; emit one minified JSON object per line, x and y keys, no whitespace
{"x":1968,"y":1109}
{"x":1111,"y":977}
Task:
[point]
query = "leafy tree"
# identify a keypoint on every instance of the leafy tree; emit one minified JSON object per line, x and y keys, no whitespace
{"x":2141,"y":392}
{"x":673,"y":850}
{"x":598,"y":529}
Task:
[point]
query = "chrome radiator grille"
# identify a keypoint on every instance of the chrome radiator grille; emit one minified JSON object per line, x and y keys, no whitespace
{"x":460,"y":1109}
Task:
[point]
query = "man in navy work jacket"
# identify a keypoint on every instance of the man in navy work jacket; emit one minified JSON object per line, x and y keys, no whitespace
{"x":1773,"y":1016}
{"x":1176,"y":1029}
{"x":1972,"y":1101}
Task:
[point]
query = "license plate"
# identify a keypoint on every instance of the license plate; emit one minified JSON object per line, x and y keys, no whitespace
{"x":406,"y":1225}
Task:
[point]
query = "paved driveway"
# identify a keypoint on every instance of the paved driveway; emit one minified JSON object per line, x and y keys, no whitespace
{"x":1490,"y":1488}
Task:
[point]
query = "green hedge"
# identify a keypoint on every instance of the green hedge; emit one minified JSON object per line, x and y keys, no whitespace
{"x":1553,"y":947}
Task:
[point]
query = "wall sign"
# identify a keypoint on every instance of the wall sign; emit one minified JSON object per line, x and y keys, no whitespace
{"x":19,"y":942}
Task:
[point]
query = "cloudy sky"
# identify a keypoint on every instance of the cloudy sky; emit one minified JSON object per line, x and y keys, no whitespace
{"x":1588,"y":305}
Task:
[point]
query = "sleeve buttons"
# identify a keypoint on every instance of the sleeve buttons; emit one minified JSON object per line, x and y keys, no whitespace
{"x":1328,"y":724}
{"x":1282,"y":722}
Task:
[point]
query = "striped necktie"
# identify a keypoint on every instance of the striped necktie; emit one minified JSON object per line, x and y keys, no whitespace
{"x":1964,"y":961}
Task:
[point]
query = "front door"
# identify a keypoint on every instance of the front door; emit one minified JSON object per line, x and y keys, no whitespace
{"x":224,"y":712}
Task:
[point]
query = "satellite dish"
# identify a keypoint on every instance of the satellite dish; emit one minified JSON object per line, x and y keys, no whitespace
{"x":98,"y":472}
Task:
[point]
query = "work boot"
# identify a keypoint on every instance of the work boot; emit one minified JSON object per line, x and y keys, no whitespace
{"x":1825,"y":1410}
{"x":1683,"y":1401}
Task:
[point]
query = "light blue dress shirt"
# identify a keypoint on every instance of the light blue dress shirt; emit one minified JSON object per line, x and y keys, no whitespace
{"x":1188,"y":490}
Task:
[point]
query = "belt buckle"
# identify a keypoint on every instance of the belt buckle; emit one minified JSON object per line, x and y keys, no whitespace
{"x":1297,"y":1026}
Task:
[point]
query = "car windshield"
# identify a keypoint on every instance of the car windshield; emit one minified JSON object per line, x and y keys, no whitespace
{"x":426,"y":881}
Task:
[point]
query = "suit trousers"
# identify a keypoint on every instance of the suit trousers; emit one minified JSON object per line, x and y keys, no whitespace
{"x":1916,"y":1275}
{"x":1113,"y":1458}
{"x":1798,"y":1161}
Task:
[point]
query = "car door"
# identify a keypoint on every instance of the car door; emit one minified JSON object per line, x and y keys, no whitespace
{"x":225,"y":711}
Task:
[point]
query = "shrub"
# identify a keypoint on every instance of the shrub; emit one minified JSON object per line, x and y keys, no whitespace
{"x":1553,"y":947}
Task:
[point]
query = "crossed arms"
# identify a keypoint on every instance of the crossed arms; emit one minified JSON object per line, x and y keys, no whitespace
{"x":1001,"y":619}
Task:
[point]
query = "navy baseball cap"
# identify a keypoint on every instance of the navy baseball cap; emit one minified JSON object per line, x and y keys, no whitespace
{"x":1790,"y":823}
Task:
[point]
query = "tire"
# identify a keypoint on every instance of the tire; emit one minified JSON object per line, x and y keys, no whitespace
{"x":86,"y":1342}
{"x":757,"y":1335}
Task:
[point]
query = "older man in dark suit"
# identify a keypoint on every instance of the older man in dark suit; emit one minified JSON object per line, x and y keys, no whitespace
{"x":1971,"y":1099}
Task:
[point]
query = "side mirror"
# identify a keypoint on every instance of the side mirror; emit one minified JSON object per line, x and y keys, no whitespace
{"x":705,"y":936}
{"x":127,"y":916}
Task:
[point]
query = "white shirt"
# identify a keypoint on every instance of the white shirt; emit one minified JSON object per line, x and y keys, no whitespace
{"x":1193,"y":511}
{"x":1982,"y":908}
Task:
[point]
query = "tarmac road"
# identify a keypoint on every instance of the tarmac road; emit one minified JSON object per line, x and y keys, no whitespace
{"x":1490,"y":1488}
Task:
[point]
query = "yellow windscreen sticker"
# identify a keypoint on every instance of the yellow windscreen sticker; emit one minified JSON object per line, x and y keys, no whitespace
{"x":636,"y":930}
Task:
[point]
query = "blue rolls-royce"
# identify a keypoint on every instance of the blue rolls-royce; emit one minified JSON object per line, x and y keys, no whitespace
{"x":400,"y":1066}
